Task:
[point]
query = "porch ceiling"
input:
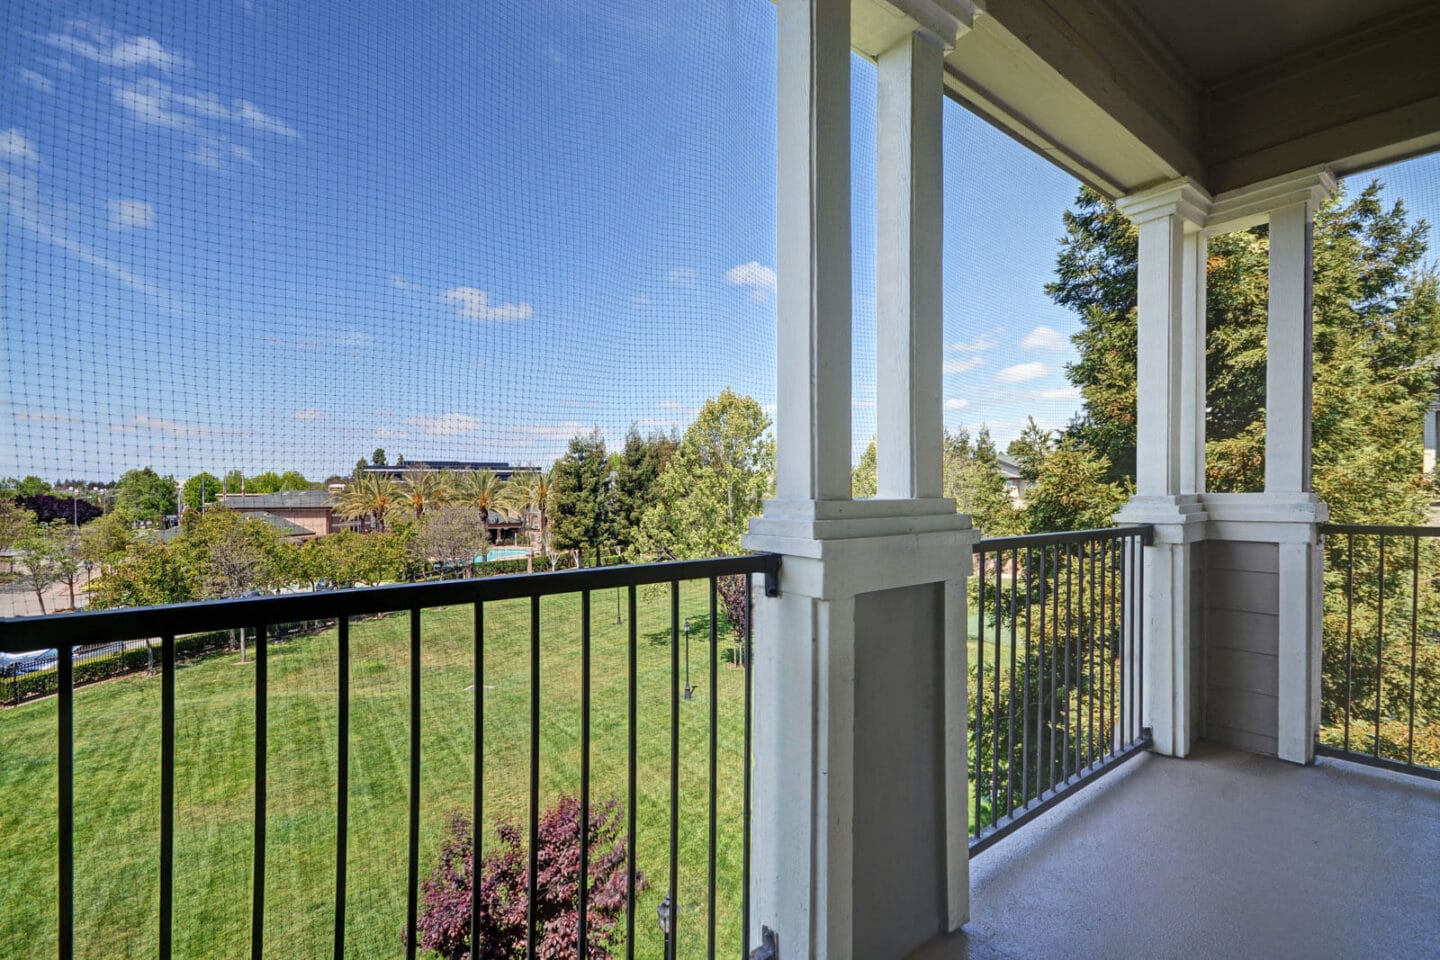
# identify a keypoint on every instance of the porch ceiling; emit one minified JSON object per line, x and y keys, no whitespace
{"x":1127,"y":94}
{"x":1225,"y":854}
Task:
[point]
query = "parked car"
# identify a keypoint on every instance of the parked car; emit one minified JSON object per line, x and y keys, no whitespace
{"x":19,"y":664}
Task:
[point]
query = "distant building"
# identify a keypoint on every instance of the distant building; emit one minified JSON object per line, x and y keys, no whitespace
{"x":1015,"y":484}
{"x":315,"y":511}
{"x":501,"y":469}
{"x":288,"y":529}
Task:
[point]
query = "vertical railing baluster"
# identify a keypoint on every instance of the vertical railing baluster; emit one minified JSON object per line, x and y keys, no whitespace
{"x":1349,"y":630}
{"x":630,"y":793}
{"x":1069,"y":745}
{"x":1090,"y":636}
{"x":1025,"y":692}
{"x":745,"y":812}
{"x":1379,"y":649}
{"x":532,"y":881}
{"x":1102,"y":624}
{"x":1010,"y":712}
{"x":1054,"y":655}
{"x":477,"y":786}
{"x":342,"y":781}
{"x":1414,"y":646}
{"x":65,"y":796}
{"x":674,"y":769}
{"x":1040,"y":730}
{"x":412,"y":884}
{"x":167,"y":795}
{"x":1140,"y":634}
{"x":979,"y":737}
{"x":583,"y":925}
{"x":714,"y":756}
{"x":995,"y":689}
{"x":257,"y":897}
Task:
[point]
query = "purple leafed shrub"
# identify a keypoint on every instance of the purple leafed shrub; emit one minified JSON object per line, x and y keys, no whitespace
{"x":48,"y":508}
{"x":504,"y":884}
{"x":732,"y":600}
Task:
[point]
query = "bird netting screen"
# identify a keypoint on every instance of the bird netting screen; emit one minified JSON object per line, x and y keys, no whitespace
{"x":263,"y":236}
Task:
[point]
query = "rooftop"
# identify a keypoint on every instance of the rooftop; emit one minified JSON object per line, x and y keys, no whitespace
{"x":284,"y":499}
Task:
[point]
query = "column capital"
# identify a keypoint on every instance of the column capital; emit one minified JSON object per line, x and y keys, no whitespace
{"x":1244,"y":207}
{"x":877,"y":25}
{"x":1183,"y":198}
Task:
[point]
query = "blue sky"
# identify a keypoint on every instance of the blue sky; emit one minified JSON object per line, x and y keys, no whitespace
{"x":274,"y":236}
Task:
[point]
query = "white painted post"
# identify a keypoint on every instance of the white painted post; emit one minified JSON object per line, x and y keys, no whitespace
{"x":1193,"y":349}
{"x":1170,"y":451}
{"x":812,"y":417}
{"x":1289,"y":351}
{"x":871,"y":591}
{"x":908,"y":287}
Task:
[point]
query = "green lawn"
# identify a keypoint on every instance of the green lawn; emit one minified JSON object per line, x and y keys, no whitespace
{"x":117,"y":752}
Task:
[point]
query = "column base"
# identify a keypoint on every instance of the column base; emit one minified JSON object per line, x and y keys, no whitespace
{"x":860,"y":724}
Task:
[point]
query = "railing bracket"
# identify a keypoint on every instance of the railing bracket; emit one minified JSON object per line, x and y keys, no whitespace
{"x":769,"y":948}
{"x":772,"y":584}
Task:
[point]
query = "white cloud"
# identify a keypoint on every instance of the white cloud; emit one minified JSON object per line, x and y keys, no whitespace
{"x":1044,"y":338}
{"x":244,"y":154}
{"x":684,"y":276}
{"x":37,"y":81}
{"x":149,"y":101}
{"x":399,"y":282}
{"x":669,"y":405}
{"x":978,"y":345}
{"x":309,"y":413}
{"x":963,"y":364}
{"x":252,"y":115}
{"x":1021,"y":372}
{"x":131,"y":214}
{"x":754,"y":276}
{"x":473,"y":303}
{"x":100,"y":44}
{"x":956,"y":403}
{"x":179,"y":429}
{"x":445,"y":425}
{"x":17,"y":148}
{"x":1056,"y":393}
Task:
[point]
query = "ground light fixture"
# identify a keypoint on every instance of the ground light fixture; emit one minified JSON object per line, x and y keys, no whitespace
{"x":666,"y":914}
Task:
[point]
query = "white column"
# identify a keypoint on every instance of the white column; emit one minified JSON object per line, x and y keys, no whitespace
{"x":1169,"y":448}
{"x":812,"y":417}
{"x":1288,"y":513}
{"x":1193,"y":350}
{"x":908,"y":285}
{"x":1288,"y":351}
{"x":859,"y":817}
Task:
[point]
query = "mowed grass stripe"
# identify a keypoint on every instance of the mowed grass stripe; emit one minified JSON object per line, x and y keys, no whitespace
{"x":117,"y":780}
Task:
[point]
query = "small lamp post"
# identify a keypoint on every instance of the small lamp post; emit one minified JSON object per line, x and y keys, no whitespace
{"x":666,"y":913}
{"x":688,"y":689}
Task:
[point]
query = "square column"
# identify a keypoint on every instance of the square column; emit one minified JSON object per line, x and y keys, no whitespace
{"x":908,"y":271}
{"x":1279,"y":528}
{"x":859,"y":841}
{"x":1170,"y":449}
{"x":812,"y":416}
{"x":1289,"y":350}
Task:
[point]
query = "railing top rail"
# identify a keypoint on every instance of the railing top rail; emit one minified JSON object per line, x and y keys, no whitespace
{"x":1380,"y":529}
{"x":68,"y":630}
{"x":1144,"y":531}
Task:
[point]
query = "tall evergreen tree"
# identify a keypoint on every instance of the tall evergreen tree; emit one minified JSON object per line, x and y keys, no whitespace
{"x":579,"y":481}
{"x":637,"y":469}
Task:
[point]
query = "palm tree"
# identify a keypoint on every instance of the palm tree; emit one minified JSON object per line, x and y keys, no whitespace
{"x":529,"y":493}
{"x":422,"y":488}
{"x":373,"y":495}
{"x":482,"y":490}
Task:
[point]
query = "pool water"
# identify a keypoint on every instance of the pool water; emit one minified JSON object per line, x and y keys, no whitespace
{"x":505,"y":553}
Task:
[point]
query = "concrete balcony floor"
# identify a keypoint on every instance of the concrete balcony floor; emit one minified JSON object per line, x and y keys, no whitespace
{"x":1222,"y":855}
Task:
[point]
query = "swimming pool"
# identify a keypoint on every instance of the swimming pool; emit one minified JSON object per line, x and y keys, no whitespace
{"x":505,"y":553}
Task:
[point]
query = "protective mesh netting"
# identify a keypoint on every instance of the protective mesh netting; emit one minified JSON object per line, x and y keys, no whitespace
{"x":275,"y":237}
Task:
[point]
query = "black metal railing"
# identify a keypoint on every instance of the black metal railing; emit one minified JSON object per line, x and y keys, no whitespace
{"x":1055,"y":677}
{"x":68,"y":633}
{"x":1380,"y":673}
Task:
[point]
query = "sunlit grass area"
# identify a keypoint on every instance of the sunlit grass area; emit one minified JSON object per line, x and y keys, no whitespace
{"x":117,"y":753}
